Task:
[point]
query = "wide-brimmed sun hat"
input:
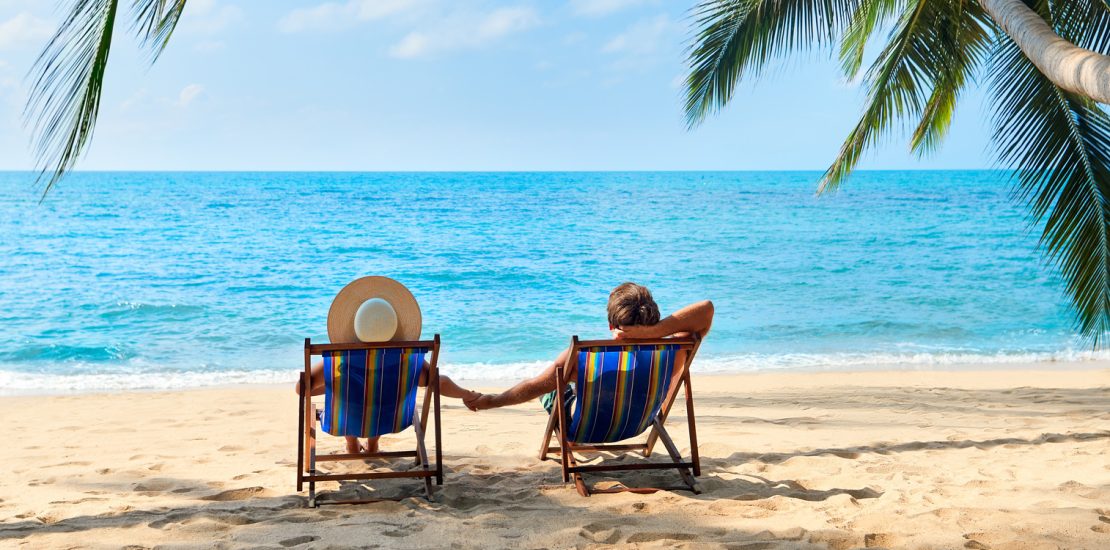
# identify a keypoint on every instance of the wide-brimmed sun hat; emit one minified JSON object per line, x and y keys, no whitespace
{"x":374,"y":309}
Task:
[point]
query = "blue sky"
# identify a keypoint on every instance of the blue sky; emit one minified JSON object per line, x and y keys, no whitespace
{"x":446,"y":85}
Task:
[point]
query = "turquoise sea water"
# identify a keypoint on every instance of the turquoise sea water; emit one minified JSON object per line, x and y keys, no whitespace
{"x":153,"y":280}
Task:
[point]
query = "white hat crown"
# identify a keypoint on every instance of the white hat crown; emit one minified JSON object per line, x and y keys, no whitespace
{"x":375,"y":321}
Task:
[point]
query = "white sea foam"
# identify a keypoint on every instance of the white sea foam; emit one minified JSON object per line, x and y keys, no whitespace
{"x":18,"y":383}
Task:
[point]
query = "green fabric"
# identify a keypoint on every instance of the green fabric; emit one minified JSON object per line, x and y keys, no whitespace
{"x":548,"y":401}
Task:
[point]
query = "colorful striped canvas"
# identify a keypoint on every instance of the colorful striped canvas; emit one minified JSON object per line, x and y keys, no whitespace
{"x":368,"y":393}
{"x":620,"y":390}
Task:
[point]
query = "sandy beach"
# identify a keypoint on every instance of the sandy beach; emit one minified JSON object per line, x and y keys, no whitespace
{"x":986,"y":459}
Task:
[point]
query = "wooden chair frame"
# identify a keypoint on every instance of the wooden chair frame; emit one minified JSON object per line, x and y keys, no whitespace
{"x":306,"y":428}
{"x":558,"y":423}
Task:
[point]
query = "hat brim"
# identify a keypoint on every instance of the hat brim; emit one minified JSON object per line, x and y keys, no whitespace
{"x":341,"y":315}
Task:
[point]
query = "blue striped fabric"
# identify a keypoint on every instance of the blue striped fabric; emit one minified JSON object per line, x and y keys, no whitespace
{"x":620,"y":391}
{"x":368,"y":393}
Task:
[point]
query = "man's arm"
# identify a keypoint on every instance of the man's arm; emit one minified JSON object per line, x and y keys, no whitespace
{"x":694,"y":319}
{"x":526,"y":390}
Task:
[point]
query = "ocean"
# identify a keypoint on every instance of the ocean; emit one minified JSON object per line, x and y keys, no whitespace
{"x":167,"y":280}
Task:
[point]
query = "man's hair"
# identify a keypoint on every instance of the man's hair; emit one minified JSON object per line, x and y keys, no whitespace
{"x":632,"y":304}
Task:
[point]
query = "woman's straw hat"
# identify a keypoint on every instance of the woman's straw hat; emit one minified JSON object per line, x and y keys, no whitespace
{"x":373,"y":309}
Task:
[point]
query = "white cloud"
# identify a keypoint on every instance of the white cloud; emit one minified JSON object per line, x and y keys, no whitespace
{"x":189,"y":94}
{"x":414,"y":44}
{"x":601,"y":8}
{"x":642,"y":38}
{"x":25,"y":30}
{"x":334,"y":15}
{"x":466,"y":31}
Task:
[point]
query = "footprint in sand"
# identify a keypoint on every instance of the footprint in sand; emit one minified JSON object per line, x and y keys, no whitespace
{"x":600,"y":532}
{"x":238,"y":494}
{"x":757,"y":545}
{"x":404,"y":532}
{"x":836,"y":540}
{"x":657,"y":537}
{"x":297,"y":541}
{"x":880,"y":540}
{"x":169,"y":519}
{"x":154,"y":485}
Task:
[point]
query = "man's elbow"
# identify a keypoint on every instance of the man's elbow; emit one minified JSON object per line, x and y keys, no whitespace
{"x":707,"y":308}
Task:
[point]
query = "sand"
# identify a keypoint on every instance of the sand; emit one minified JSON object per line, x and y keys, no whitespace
{"x":989,"y":459}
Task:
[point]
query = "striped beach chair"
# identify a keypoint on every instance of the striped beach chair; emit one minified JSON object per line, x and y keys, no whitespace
{"x":369,"y":391}
{"x":624,"y":388}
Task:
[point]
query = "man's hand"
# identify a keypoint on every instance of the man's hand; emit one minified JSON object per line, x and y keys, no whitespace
{"x":695,"y":319}
{"x":635,"y":332}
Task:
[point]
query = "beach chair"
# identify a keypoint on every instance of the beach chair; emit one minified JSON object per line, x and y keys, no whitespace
{"x":624,"y":388}
{"x":370,"y":390}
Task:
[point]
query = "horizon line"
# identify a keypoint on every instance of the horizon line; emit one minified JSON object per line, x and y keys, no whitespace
{"x":599,"y":171}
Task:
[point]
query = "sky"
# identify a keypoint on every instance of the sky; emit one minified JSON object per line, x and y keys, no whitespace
{"x":440,"y":85}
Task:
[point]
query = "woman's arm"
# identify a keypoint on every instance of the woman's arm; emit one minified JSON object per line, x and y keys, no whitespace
{"x":695,"y":318}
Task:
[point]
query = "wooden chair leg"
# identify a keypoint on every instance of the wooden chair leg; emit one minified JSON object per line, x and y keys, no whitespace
{"x":310,"y":440}
{"x":300,"y":435}
{"x":675,"y":456}
{"x":310,"y":453}
{"x":438,"y":429}
{"x":565,"y":453}
{"x":547,"y":435}
{"x":579,"y":482}
{"x":422,"y":453}
{"x":692,"y":427}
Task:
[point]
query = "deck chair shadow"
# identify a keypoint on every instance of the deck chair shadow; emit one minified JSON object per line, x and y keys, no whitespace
{"x":369,"y":391}
{"x":624,"y":388}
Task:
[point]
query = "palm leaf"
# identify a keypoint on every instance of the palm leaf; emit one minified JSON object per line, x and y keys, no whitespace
{"x":1085,"y":23}
{"x":896,"y":89}
{"x":869,"y":15}
{"x":963,"y":27}
{"x":65,"y":95}
{"x":1059,"y":145}
{"x":737,"y":38}
{"x":155,"y":21}
{"x":934,"y":48}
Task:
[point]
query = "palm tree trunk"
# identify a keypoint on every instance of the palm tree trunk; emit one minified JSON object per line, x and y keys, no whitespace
{"x":1070,"y":67}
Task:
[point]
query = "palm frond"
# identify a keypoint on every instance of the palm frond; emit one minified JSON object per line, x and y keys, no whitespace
{"x":1059,"y":145}
{"x":918,"y":75}
{"x":897,"y":87}
{"x":155,"y":21}
{"x":1085,"y":23}
{"x":964,"y":28}
{"x":65,"y":96}
{"x":869,"y":15}
{"x":736,"y":38}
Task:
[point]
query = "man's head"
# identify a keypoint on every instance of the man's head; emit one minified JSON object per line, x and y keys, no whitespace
{"x":631,"y":304}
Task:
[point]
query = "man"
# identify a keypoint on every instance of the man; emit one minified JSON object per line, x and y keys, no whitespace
{"x":632,"y":314}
